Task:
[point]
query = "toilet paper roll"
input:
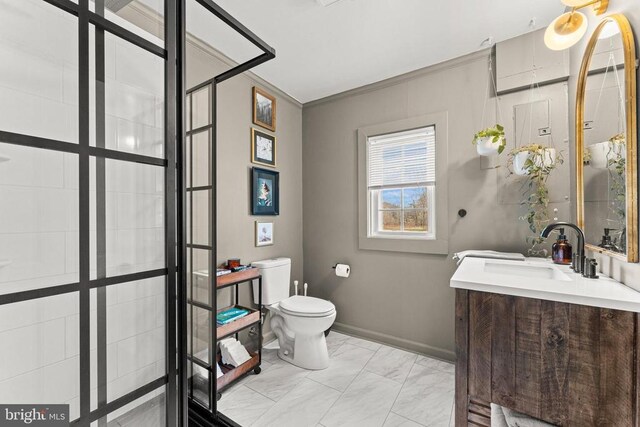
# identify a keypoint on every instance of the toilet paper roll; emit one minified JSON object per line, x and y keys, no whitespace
{"x":343,"y":270}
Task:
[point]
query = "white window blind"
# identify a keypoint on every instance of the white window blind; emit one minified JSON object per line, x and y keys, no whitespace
{"x":402,"y":158}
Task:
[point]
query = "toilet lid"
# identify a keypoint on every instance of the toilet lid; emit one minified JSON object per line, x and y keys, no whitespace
{"x":307,"y":306}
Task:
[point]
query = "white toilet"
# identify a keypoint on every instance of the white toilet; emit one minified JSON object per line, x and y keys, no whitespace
{"x":299,"y":322}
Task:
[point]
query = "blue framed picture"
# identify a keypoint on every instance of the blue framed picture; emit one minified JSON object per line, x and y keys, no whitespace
{"x":265,"y":189}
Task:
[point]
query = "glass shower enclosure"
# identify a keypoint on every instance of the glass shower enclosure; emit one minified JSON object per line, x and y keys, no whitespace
{"x":88,"y":202}
{"x":93,"y":277}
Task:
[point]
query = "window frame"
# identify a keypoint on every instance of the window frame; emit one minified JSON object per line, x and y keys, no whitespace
{"x":375,"y":210}
{"x":412,"y":242}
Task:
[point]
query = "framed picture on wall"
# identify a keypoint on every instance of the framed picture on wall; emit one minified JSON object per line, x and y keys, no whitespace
{"x":264,"y":109}
{"x":263,"y":148}
{"x":264,"y":233}
{"x":265,"y":192}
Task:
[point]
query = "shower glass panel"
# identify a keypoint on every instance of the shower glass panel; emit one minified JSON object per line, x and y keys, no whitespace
{"x":40,"y":352}
{"x":200,"y":251}
{"x":133,"y":99}
{"x":41,"y":78}
{"x":88,"y":183}
{"x":127,"y":13}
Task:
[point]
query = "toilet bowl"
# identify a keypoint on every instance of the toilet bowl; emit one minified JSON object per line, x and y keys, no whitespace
{"x":298,"y":321}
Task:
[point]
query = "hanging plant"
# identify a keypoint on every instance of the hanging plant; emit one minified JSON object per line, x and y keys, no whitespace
{"x":537,"y":163}
{"x":523,"y":160}
{"x":601,"y":153}
{"x":616,"y":165}
{"x":586,"y":157}
{"x":490,"y":141}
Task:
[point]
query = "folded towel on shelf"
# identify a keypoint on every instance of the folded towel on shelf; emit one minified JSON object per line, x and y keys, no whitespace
{"x":459,"y":256}
{"x":233,"y":353}
{"x":505,"y":417}
{"x":516,"y":419}
{"x":497,"y":416}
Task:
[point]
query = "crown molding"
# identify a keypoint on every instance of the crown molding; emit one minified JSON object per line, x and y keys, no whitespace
{"x":392,"y":81}
{"x":151,"y":21}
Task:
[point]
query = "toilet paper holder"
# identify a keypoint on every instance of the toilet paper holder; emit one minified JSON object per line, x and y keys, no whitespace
{"x":343,"y":271}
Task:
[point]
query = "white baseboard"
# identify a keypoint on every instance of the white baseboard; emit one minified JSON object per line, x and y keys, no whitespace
{"x":401,"y":343}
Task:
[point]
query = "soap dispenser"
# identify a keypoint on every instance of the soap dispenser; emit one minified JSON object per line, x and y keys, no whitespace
{"x":561,"y":249}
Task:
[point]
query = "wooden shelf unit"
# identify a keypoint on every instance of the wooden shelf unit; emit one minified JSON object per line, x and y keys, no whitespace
{"x":252,"y":318}
{"x":231,"y":374}
{"x":232,"y":279}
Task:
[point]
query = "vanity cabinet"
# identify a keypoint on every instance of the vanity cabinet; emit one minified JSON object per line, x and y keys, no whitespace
{"x":566,"y":364}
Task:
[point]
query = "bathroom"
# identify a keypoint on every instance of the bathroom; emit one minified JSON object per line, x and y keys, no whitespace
{"x":90,"y":216}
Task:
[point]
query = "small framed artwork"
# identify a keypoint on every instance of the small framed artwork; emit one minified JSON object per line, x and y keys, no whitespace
{"x":263,"y":148}
{"x":264,"y":109}
{"x":264,"y":233}
{"x":265,"y":189}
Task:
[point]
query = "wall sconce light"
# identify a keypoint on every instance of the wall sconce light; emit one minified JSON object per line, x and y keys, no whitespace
{"x":568,"y":28}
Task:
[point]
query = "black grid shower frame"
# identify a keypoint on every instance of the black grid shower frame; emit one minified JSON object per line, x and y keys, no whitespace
{"x":211,"y":237}
{"x":175,"y":198}
{"x":172,"y":54}
{"x":198,"y":414}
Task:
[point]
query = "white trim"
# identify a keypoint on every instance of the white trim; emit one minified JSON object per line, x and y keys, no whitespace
{"x":393,"y":341}
{"x":439,"y":245}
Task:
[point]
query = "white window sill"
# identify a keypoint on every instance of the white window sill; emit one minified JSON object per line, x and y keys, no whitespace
{"x":402,"y":236}
{"x":404,"y":244}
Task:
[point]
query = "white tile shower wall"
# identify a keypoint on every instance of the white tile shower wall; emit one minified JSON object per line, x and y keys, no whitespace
{"x":39,"y":210}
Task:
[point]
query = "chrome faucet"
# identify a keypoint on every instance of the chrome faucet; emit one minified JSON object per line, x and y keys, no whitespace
{"x":578,"y":260}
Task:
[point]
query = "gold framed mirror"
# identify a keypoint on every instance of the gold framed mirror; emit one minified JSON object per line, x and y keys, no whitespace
{"x":606,"y":141}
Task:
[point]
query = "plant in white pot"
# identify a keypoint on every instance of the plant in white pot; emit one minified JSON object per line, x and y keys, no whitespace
{"x":490,"y":141}
{"x":601,"y":154}
{"x":523,"y":159}
{"x":536,"y":162}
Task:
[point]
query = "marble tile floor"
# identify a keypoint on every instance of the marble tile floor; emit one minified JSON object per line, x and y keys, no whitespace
{"x":367,"y":384}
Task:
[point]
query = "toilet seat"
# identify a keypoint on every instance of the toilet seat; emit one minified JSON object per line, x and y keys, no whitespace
{"x":302,"y":306}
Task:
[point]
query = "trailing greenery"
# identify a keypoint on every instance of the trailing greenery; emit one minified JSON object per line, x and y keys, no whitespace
{"x":536,"y":192}
{"x":586,"y":157}
{"x":616,"y":165}
{"x":496,"y":133}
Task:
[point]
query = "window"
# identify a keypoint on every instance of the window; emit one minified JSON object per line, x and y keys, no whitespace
{"x":401,"y":184}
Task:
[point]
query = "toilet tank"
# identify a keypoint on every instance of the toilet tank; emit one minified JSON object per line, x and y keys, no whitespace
{"x":276,"y":274}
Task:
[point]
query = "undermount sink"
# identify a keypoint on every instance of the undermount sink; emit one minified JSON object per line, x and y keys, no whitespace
{"x":529,"y":270}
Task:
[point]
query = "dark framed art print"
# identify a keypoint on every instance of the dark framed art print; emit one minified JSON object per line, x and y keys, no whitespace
{"x":265,"y":192}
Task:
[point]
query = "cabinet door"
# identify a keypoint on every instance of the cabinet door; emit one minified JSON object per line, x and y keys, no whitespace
{"x":566,"y":364}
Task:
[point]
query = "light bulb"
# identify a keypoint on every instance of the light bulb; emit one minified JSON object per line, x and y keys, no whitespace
{"x":573,"y":3}
{"x":565,"y":31}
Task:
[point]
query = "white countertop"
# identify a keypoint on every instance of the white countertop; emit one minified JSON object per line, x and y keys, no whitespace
{"x":480,"y":274}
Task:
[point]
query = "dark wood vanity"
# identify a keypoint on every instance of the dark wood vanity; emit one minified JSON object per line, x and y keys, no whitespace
{"x":566,"y":364}
{"x":564,"y":350}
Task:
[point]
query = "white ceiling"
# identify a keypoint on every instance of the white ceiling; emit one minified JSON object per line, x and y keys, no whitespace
{"x":322,"y":50}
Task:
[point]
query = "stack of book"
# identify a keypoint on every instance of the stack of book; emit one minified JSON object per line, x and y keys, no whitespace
{"x":230,"y":314}
{"x":222,"y":272}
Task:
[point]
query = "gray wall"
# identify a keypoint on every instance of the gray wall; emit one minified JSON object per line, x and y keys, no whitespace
{"x":236,"y":225}
{"x":400,"y":298}
{"x":626,"y":273}
{"x":236,"y":230}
